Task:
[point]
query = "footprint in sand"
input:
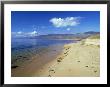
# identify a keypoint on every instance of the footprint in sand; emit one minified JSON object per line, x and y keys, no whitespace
{"x":66,"y":48}
{"x":51,"y":71}
{"x":49,"y":75}
{"x":65,"y":53}
{"x":69,"y":70}
{"x":59,"y":59}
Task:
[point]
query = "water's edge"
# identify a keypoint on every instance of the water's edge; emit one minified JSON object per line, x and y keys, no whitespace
{"x":26,"y":50}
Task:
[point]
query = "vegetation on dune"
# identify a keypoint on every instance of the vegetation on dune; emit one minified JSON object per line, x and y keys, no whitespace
{"x":97,"y":36}
{"x":91,"y":40}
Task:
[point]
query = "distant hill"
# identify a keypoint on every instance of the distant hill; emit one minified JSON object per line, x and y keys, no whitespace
{"x":57,"y":36}
{"x":77,"y":36}
{"x":91,"y":32}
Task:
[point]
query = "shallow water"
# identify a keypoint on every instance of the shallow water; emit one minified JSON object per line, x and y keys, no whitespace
{"x":23,"y":49}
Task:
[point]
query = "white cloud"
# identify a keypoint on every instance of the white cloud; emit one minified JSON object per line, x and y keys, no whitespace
{"x":19,"y":32}
{"x":68,"y":29}
{"x":24,"y":34}
{"x":64,"y":22}
{"x":34,"y":33}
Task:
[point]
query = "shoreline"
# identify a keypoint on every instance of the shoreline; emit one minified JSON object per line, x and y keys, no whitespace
{"x":75,"y":60}
{"x":36,"y":62}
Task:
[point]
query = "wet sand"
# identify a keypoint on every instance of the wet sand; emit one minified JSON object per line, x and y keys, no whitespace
{"x":28,"y":66}
{"x":75,"y":60}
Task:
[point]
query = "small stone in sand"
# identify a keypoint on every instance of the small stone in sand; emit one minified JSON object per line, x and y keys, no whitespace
{"x":19,"y":56}
{"x":86,"y":66}
{"x":78,"y":61}
{"x":95,"y":71}
{"x":27,"y":59}
{"x":24,"y":57}
{"x":51,"y":70}
{"x":14,"y":67}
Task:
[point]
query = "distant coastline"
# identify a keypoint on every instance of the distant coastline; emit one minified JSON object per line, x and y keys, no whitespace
{"x":62,"y":36}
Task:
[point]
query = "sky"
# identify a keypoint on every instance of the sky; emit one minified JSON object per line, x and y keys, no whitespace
{"x":32,"y":23}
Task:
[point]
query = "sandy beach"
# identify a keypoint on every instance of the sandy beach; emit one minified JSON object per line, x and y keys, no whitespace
{"x":81,"y":59}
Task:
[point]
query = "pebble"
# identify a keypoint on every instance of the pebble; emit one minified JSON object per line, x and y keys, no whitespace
{"x":86,"y":66}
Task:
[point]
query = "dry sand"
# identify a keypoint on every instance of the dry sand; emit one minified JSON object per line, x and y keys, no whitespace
{"x":76,"y":60}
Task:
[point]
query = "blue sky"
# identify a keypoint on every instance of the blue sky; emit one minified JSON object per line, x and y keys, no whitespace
{"x":53,"y":22}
